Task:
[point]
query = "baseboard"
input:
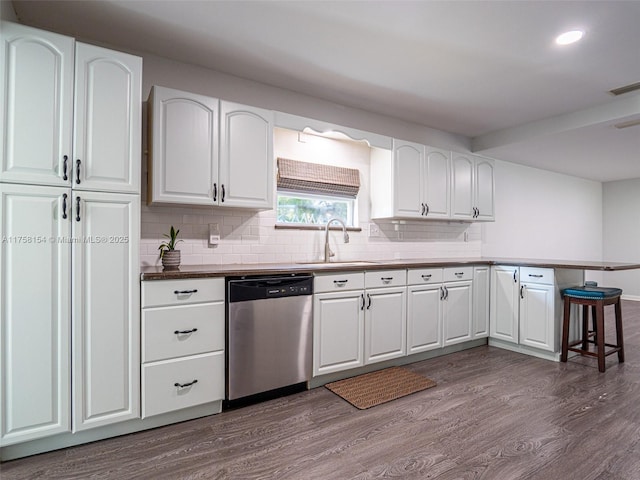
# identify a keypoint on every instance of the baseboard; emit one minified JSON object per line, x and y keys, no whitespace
{"x":633,"y":298}
{"x":514,"y":347}
{"x":64,"y":440}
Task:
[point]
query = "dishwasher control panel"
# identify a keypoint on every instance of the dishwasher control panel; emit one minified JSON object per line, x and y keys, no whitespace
{"x":248,"y":289}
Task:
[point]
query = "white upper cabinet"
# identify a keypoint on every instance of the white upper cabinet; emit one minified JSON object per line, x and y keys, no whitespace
{"x":246,"y":156}
{"x":209,"y":152}
{"x":472,"y":187}
{"x":436,"y":178}
{"x":36,"y":105}
{"x":484,"y":189}
{"x":412,"y":183}
{"x":107,"y":127}
{"x":408,"y":165}
{"x":183,"y":143}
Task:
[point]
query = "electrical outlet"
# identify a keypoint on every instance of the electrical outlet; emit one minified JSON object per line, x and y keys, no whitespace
{"x":214,"y":234}
{"x":374,"y":230}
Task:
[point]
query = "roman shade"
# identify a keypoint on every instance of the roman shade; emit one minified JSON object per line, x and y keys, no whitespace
{"x":318,"y":178}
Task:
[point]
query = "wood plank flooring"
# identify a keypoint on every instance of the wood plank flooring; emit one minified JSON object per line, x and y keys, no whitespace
{"x":495,"y":414}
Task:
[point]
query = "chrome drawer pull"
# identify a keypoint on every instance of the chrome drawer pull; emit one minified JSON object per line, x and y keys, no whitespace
{"x":185,"y":292}
{"x":535,"y":276}
{"x":426,"y":277}
{"x":459,"y":274}
{"x":185,"y":385}
{"x":185,"y":332}
{"x":340,"y":283}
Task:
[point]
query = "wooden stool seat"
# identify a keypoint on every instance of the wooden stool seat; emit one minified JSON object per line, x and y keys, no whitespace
{"x":596,"y":298}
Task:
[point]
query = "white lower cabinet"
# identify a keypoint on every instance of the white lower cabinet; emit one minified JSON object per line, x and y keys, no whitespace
{"x":106,"y":309}
{"x":457,"y":312}
{"x":481,"y":289}
{"x":47,"y":380}
{"x":526,"y":305}
{"x":183,"y":344}
{"x":354,"y":326}
{"x":338,"y":322}
{"x":35,"y":288}
{"x":385,"y":320}
{"x":424,"y":310}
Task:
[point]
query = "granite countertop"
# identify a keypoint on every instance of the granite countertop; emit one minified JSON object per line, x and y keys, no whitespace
{"x":238,"y":269}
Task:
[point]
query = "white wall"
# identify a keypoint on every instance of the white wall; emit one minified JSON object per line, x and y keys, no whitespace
{"x":540,"y":214}
{"x":621,"y":233}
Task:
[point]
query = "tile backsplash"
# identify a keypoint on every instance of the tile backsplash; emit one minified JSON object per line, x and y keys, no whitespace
{"x":249,"y":236}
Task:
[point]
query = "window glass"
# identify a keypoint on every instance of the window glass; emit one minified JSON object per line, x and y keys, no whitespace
{"x":305,"y":209}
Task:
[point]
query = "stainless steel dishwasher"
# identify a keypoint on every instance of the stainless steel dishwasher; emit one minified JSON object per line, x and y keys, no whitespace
{"x":269,"y":333}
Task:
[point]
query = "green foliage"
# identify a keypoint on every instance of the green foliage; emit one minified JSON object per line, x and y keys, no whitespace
{"x":292,"y":209}
{"x":170,"y":245}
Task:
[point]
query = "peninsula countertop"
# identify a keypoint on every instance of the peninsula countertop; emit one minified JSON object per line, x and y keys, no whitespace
{"x":242,"y":269}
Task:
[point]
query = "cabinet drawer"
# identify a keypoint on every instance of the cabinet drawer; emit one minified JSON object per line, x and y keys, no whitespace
{"x":536,"y":275}
{"x":336,"y":282}
{"x":420,"y":276}
{"x":454,"y":274}
{"x":385,"y":278}
{"x":160,"y":393}
{"x":156,"y":293}
{"x":169,"y":332}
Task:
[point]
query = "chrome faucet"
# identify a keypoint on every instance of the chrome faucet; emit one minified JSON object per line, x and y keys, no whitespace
{"x":327,"y":251}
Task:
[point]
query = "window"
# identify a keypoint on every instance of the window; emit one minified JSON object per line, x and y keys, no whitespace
{"x":312,"y":193}
{"x":308,"y":209}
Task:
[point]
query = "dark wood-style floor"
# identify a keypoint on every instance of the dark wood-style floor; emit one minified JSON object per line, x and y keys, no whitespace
{"x":494,"y":415}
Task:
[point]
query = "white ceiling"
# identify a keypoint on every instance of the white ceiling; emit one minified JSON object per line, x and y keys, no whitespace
{"x":488,"y":70}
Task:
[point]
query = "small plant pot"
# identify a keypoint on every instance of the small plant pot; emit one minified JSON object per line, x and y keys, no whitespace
{"x":171,"y":259}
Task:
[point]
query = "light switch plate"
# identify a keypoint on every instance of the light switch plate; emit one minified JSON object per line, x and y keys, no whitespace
{"x":374,"y":230}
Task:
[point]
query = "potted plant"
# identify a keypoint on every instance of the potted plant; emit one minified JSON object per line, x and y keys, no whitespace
{"x":168,"y":254}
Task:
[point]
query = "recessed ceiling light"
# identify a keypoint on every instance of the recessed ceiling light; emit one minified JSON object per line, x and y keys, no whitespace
{"x":569,"y":37}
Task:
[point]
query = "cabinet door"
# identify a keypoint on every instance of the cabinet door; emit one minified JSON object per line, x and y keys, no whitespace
{"x":408,"y":171}
{"x":106,"y":309}
{"x":437,"y":178}
{"x":457,"y":312}
{"x":481,"y":281}
{"x":35,"y":271}
{"x":338,"y":331}
{"x":424,"y":318}
{"x":36,"y":105}
{"x":183,"y":140}
{"x":107,"y":126}
{"x":385,"y":324}
{"x":462,"y":176}
{"x":537,"y":316}
{"x":246,"y":156}
{"x":504,"y":316}
{"x":484,"y":189}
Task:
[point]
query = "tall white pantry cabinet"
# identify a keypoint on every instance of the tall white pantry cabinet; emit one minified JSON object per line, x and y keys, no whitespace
{"x":70,"y":133}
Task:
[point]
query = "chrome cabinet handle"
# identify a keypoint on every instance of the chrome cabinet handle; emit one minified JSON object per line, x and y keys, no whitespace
{"x":427,"y":212}
{"x":369,"y":301}
{"x":215,"y":192}
{"x":185,"y":385}
{"x":77,"y":209}
{"x":515,"y":272}
{"x":223,"y":192}
{"x":423,"y":209}
{"x":185,"y":332}
{"x":362,"y":298}
{"x":522,"y":291}
{"x":446,"y":293}
{"x":64,"y":205}
{"x":78,"y":171}
{"x":65,"y":159}
{"x":185,"y":292}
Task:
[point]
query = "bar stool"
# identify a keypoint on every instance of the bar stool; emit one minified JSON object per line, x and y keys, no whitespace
{"x":596,"y":298}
